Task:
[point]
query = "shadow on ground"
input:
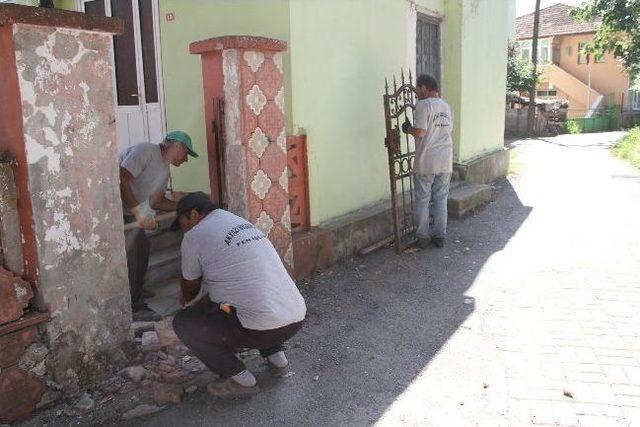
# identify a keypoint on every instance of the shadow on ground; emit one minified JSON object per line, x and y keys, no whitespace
{"x":372,"y":325}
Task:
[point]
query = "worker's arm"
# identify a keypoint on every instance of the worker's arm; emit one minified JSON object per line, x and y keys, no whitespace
{"x":417,"y":132}
{"x":128,"y":199}
{"x":190,"y":289}
{"x":159,"y":201}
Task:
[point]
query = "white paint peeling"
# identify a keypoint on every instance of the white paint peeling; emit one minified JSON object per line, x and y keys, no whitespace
{"x":20,"y":291}
{"x":35,"y":152}
{"x":64,"y":193}
{"x":51,"y":136}
{"x":50,"y":113}
{"x":85,"y":92}
{"x":60,"y":234}
{"x":89,"y":181}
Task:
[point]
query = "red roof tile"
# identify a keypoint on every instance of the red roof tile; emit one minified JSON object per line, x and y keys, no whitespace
{"x":554,"y":20}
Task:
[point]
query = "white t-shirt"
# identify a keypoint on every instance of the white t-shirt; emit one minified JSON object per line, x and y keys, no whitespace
{"x":434,"y":152}
{"x":149,"y":169}
{"x":239,"y":266}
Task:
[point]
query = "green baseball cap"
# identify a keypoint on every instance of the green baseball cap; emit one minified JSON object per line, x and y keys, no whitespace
{"x":184,"y":139}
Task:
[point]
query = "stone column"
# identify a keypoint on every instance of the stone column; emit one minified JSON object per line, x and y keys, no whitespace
{"x":247,"y":73}
{"x":58,"y":126}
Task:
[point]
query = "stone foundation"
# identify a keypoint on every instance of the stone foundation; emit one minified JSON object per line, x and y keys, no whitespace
{"x":484,"y":169}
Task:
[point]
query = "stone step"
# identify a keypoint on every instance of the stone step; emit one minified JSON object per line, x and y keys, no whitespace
{"x":164,"y":264}
{"x":467,"y":197}
{"x":163,"y":239}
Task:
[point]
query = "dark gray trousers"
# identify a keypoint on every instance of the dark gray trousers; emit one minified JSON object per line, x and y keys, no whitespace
{"x":214,"y":337}
{"x":138,"y":247}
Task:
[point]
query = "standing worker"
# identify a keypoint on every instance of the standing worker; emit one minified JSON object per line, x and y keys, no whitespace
{"x":144,"y":178}
{"x":433,"y":163}
{"x":236,"y":293}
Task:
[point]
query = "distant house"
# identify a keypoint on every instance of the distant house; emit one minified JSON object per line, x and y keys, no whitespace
{"x":587,"y":82}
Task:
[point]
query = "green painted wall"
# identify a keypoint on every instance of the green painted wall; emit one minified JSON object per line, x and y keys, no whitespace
{"x":197,"y":20}
{"x":341,"y":53}
{"x":485,"y":32}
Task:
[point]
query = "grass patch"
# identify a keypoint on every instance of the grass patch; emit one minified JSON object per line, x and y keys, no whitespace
{"x":628,"y":148}
{"x":514,"y":162}
{"x":572,"y":127}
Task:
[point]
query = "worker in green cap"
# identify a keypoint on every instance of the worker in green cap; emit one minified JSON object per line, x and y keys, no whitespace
{"x":144,"y":179}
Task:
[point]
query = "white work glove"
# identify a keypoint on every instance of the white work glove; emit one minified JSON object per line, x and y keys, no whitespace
{"x":145,"y":216}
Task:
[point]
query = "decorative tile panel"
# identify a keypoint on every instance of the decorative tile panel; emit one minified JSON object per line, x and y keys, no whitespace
{"x":258,"y":142}
{"x":261,"y":184}
{"x":280,"y":99}
{"x":264,"y":223}
{"x":286,"y":219}
{"x":256,"y":100}
{"x":254,"y":59}
{"x":288,"y":256}
{"x":277,"y":60}
{"x":282,"y":140}
{"x":284,"y":180}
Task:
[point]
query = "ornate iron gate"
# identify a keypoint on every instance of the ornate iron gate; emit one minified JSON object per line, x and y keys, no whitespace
{"x":401,"y":151}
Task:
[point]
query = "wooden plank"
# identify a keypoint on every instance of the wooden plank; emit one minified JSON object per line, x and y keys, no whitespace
{"x":374,"y":247}
{"x":29,"y":319}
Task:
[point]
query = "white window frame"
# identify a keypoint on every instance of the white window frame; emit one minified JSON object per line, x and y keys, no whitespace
{"x":634,"y":99}
{"x":544,"y":44}
{"x":79,"y":5}
{"x":525,"y":47}
{"x":583,"y":57}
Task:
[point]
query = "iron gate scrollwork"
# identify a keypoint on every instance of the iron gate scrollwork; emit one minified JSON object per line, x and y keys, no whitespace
{"x":398,"y":107}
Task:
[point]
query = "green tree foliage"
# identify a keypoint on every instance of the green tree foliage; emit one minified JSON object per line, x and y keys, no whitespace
{"x":520,"y":75}
{"x":619,"y":32}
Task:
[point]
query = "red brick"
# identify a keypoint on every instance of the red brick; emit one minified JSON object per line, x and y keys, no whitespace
{"x":167,"y":393}
{"x":20,"y":391}
{"x":13,"y":345}
{"x":15,"y":294}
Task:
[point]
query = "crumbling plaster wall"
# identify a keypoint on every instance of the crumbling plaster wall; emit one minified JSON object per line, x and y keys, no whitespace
{"x":65,"y":80}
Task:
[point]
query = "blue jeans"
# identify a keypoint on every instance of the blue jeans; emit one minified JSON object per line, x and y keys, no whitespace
{"x":434,"y":189}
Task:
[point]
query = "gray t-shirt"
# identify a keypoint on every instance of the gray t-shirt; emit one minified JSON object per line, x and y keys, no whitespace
{"x":239,"y":266}
{"x":150,"y":171}
{"x":434,"y":152}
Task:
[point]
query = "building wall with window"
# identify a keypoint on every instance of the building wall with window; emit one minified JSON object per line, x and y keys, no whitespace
{"x":340,"y":53}
{"x":567,"y":52}
{"x":607,"y":75}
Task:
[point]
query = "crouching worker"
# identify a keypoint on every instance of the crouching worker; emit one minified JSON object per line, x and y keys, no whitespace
{"x":236,"y":293}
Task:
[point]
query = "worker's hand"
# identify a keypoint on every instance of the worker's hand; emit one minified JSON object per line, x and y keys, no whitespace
{"x":406,"y":126}
{"x":145,"y":217}
{"x":177,"y":195}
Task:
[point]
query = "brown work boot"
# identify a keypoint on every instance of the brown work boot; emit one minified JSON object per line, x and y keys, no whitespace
{"x":278,"y":365}
{"x":229,"y":389}
{"x":279,"y":372}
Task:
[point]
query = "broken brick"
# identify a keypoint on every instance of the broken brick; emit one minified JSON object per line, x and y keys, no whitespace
{"x":168,"y":393}
{"x":20,"y":391}
{"x":12,"y":345}
{"x":15,"y":294}
{"x":166,"y":335}
{"x":134,"y":373}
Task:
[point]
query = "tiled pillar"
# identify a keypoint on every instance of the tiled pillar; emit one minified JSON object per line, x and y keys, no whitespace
{"x":58,"y":125}
{"x":247,"y":72}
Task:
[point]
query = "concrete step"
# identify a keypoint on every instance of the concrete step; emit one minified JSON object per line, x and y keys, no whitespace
{"x":163,"y":239}
{"x":164,"y":264}
{"x":467,"y":197}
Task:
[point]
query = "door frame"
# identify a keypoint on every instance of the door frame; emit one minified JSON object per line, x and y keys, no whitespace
{"x":414,"y":13}
{"x":157,"y":44}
